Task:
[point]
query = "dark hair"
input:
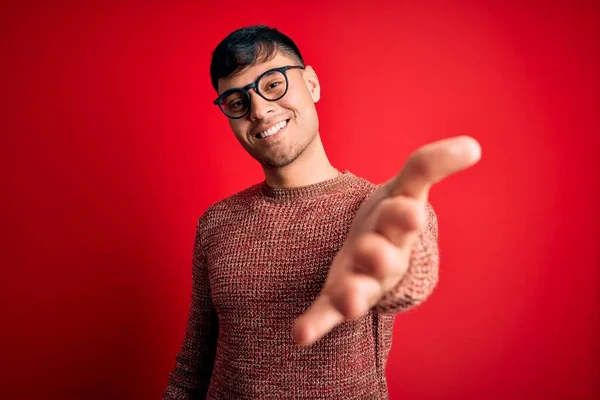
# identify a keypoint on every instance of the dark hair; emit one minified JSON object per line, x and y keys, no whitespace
{"x":248,"y":46}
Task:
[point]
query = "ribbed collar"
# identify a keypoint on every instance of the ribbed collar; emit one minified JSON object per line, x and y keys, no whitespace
{"x":305,"y":192}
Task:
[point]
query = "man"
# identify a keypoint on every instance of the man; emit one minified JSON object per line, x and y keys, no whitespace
{"x":296,"y":280}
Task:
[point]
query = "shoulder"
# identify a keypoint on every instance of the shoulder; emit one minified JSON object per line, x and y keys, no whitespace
{"x":359,"y":188}
{"x":226,"y":209}
{"x":362,"y":184}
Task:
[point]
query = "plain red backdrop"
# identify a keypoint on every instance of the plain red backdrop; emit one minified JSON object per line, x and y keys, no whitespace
{"x":112,"y":150}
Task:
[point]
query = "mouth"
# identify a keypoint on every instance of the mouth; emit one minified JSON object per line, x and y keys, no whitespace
{"x":275,"y":129}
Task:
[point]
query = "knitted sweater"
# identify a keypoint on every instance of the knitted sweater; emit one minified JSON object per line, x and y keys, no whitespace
{"x":260,"y":258}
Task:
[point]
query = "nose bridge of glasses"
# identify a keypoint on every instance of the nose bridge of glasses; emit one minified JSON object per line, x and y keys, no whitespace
{"x":249,"y":86}
{"x":259,"y":105}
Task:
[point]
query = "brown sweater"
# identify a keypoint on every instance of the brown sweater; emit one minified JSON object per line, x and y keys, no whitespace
{"x":260,"y":258}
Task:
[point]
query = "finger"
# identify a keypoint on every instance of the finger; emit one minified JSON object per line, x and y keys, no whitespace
{"x":319,"y":319}
{"x":376,"y":256}
{"x":350,"y":298}
{"x":432,"y":163}
{"x":399,"y":218}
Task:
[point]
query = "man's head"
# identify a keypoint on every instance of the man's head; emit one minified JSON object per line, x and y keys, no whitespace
{"x":273,"y":116}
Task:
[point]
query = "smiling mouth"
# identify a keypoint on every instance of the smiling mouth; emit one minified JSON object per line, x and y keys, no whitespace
{"x":272,"y":130}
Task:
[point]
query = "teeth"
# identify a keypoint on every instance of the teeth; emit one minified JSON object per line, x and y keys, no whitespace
{"x":273,"y":130}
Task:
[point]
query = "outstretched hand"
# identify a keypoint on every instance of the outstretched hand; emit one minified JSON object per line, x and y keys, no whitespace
{"x":376,"y":253}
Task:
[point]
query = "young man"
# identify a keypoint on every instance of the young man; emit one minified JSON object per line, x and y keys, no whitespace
{"x":296,"y":280}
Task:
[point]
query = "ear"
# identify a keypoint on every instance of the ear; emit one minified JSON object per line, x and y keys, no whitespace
{"x":312,"y":83}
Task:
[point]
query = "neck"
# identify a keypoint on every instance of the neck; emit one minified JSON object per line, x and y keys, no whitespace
{"x":311,"y":167}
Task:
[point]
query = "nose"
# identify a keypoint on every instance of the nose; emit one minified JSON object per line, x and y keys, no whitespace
{"x":259,"y":107}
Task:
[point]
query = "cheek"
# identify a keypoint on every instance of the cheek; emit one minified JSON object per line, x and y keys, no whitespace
{"x":299,"y":101}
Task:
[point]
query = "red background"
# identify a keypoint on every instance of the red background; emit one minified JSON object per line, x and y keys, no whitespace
{"x":112,"y":150}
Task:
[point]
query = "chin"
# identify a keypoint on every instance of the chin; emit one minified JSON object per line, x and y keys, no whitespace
{"x":278,"y":160}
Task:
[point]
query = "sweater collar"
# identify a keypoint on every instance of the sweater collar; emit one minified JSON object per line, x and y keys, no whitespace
{"x":305,"y":192}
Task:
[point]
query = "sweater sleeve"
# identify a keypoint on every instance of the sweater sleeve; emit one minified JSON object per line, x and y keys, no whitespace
{"x":422,"y":274}
{"x":194,"y":363}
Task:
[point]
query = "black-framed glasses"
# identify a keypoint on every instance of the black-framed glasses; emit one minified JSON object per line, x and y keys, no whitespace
{"x":271,"y":85}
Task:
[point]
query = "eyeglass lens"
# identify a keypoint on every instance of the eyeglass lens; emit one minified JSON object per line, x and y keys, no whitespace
{"x":271,"y":86}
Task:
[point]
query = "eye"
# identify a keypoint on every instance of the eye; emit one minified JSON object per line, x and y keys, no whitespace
{"x":235,"y":101}
{"x":236,"y":105}
{"x":273,"y":84}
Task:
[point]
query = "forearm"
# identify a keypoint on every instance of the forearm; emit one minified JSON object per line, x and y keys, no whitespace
{"x":193,"y":369}
{"x":190,"y":378}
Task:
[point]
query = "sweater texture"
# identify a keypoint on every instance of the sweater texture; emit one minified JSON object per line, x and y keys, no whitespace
{"x":260,"y":259}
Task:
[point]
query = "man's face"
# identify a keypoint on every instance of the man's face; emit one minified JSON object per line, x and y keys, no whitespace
{"x":291,"y":122}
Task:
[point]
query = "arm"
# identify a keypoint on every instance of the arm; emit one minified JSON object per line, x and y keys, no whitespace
{"x":422,"y":274}
{"x":387,"y":240}
{"x":194,"y":363}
